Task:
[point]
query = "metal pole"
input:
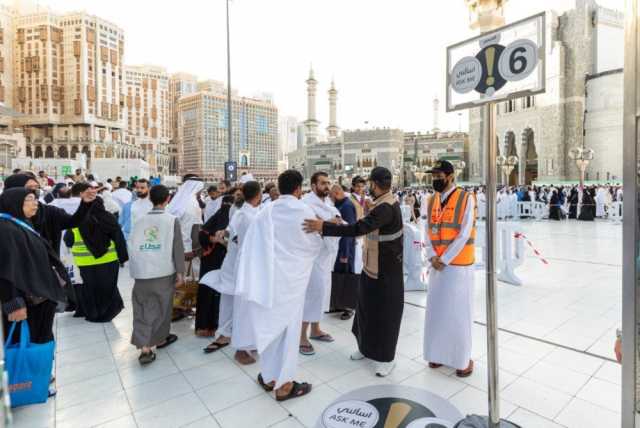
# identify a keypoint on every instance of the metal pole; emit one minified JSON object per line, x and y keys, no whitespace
{"x":229,"y":103}
{"x":489,"y":119}
{"x":630,"y":295}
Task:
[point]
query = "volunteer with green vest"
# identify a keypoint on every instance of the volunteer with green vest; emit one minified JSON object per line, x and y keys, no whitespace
{"x":98,"y":248}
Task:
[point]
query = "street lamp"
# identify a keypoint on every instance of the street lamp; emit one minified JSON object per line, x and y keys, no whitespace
{"x":230,"y":166}
{"x":582,"y":156}
{"x":507,"y":164}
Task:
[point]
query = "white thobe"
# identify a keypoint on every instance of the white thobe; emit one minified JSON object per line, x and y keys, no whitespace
{"x":139,"y":208}
{"x":600,"y":202}
{"x":273,"y":275}
{"x":449,"y":312}
{"x":513,"y":205}
{"x":316,"y":300}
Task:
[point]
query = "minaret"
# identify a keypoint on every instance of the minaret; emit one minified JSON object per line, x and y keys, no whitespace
{"x":311,"y":123}
{"x":332,"y":129}
{"x":436,"y":114}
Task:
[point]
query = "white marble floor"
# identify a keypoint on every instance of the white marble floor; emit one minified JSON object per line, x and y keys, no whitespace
{"x":574,"y":302}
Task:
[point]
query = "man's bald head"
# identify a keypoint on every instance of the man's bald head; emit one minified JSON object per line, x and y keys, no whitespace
{"x":337,"y":192}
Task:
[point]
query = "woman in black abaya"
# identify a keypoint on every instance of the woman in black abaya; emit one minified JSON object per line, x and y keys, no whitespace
{"x":208,"y":302}
{"x":588,"y":207}
{"x":32,"y":278}
{"x":573,"y":204}
{"x":98,"y":297}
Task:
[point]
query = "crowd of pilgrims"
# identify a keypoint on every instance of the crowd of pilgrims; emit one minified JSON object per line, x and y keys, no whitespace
{"x":259,"y":290}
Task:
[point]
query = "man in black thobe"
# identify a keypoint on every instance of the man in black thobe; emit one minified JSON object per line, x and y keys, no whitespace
{"x":380,"y":293}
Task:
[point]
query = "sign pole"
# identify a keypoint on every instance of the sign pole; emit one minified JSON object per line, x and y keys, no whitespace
{"x":489,"y":127}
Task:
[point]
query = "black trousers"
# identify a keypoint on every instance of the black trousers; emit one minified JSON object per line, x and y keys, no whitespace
{"x":40,"y":319}
{"x":98,"y":298}
{"x":207,"y":308}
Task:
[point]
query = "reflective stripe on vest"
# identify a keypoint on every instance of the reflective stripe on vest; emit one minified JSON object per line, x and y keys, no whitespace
{"x":83,"y":256}
{"x":445,"y":225}
{"x":385,"y":238}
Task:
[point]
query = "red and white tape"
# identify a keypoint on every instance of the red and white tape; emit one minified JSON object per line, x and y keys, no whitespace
{"x":519,"y":235}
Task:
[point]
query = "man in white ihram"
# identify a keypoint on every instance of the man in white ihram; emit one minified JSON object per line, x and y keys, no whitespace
{"x":232,"y":328}
{"x":273,"y":275}
{"x":317,"y":293}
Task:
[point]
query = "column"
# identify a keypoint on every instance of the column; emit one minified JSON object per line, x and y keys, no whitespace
{"x":522,"y":157}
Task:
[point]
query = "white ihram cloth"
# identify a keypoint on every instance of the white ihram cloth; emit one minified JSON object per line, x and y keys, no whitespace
{"x":223,"y":280}
{"x":122,"y":196}
{"x":185,"y":206}
{"x":212,"y":207}
{"x":412,"y":252}
{"x":273,"y":275}
{"x":449,"y":313}
{"x":317,"y":298}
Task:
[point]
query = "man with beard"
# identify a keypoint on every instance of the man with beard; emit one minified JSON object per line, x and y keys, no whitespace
{"x":320,"y":281}
{"x":380,"y":301}
{"x":135,"y":209}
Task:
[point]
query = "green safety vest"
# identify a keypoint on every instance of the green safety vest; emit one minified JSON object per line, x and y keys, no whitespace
{"x":83,"y":256}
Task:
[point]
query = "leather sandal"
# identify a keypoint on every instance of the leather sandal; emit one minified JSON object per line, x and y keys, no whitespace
{"x":298,"y":390}
{"x":466,"y":372}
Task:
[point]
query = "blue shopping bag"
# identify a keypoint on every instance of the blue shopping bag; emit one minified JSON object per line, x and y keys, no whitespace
{"x":28,"y":367}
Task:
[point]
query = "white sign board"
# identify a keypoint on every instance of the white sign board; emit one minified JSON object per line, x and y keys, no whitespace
{"x":505,"y":63}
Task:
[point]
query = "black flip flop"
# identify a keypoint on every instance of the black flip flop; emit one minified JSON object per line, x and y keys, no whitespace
{"x":265,"y":386}
{"x":298,"y":390}
{"x":168,"y":341}
{"x":218,"y":346}
{"x":147,"y":358}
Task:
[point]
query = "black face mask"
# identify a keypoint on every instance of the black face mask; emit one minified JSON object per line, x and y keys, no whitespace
{"x":439,"y":184}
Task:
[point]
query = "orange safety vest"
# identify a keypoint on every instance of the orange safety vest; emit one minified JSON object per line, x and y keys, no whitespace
{"x":445,"y":225}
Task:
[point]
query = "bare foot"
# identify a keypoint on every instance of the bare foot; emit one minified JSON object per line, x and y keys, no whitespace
{"x":244,"y":358}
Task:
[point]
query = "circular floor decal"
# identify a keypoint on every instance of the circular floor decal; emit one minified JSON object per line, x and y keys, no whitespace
{"x":389,"y":406}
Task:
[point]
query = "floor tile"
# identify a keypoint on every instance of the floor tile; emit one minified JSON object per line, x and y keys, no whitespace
{"x":35,"y":416}
{"x":259,"y":411}
{"x":177,"y":412}
{"x":332,"y":365}
{"x":582,"y":414}
{"x":528,"y":419}
{"x":206,"y":422}
{"x":474,"y":401}
{"x":216,"y":371}
{"x":157,"y":391}
{"x":84,"y":371}
{"x":480,"y":377}
{"x":136,"y":375}
{"x":574,"y":361}
{"x":229,"y":392}
{"x":88,"y":390}
{"x":535,"y":397}
{"x":123,"y":422}
{"x":290,"y":422}
{"x":307,"y":409}
{"x":435,"y":382}
{"x":112,"y":407}
{"x":611,"y":372}
{"x":558,"y":378}
{"x":514,"y":362}
{"x":602,"y":393}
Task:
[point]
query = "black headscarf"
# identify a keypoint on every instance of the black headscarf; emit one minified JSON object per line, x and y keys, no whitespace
{"x":220,"y":220}
{"x":17,"y":180}
{"x":98,"y":229}
{"x":28,"y":261}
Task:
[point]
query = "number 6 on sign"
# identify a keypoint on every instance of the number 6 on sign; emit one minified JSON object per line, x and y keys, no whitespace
{"x":518,"y":60}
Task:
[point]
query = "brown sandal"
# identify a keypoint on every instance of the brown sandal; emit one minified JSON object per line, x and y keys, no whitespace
{"x":466,"y":372}
{"x":266,"y":386}
{"x":244,"y":357}
{"x":434,"y":365}
{"x":298,"y":390}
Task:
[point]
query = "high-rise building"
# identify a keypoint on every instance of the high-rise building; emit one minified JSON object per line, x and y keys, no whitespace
{"x":287,"y":135}
{"x":7,"y":34}
{"x":147,"y":114}
{"x":180,"y":84}
{"x":202,"y":131}
{"x":68,"y":84}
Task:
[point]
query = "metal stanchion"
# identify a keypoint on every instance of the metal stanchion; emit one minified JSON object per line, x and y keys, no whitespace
{"x":489,"y":118}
